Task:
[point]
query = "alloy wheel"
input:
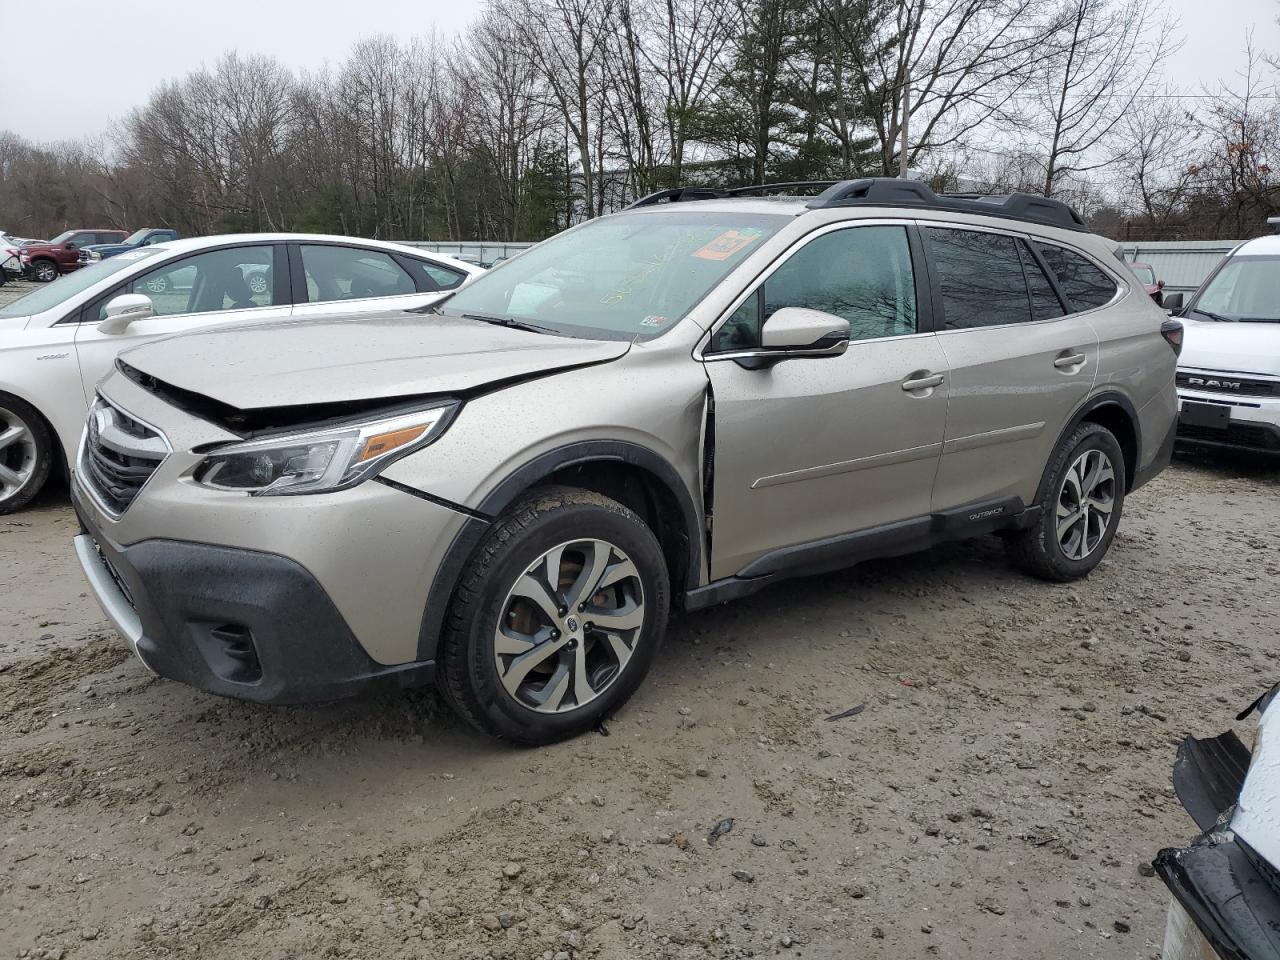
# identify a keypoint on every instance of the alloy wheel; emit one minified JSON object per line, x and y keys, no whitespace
{"x":17,"y":454}
{"x":45,"y":271}
{"x":569,"y":626}
{"x":1085,"y":503}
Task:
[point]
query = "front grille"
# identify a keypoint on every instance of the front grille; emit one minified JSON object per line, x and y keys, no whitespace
{"x":1230,"y":384}
{"x":120,"y":454}
{"x":1237,"y":434}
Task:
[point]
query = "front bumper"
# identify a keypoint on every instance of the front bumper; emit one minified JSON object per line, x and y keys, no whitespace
{"x":235,"y":622}
{"x":1253,"y":422}
{"x":1226,"y":892}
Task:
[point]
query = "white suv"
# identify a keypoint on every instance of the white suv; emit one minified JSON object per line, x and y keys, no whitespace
{"x":1229,"y":371}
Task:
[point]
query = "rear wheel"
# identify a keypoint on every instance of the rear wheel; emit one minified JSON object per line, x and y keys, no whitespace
{"x":44,"y":271}
{"x":557,"y":618}
{"x":26,"y":453}
{"x":1079,"y":508}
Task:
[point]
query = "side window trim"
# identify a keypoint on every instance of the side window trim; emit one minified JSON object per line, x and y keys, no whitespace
{"x":704,"y":349}
{"x":422,"y":280}
{"x":1068,"y":308}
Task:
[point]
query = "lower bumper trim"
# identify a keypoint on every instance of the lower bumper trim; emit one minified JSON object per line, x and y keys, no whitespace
{"x":239,"y":623}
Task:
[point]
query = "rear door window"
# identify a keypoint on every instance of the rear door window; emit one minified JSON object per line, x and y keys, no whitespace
{"x":350,"y":273}
{"x":981,"y":276}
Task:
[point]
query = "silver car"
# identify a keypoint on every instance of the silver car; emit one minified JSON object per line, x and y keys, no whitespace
{"x":674,"y":406}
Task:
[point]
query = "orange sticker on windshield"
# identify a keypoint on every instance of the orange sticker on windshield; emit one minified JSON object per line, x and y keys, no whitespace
{"x":727,"y":244}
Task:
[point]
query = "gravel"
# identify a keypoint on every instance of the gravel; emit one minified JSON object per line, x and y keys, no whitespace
{"x":1043,"y":717}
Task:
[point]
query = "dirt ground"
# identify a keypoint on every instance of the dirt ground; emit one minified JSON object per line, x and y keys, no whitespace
{"x":997,"y":798}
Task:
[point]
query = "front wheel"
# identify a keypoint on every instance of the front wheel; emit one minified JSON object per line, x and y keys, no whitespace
{"x":1080,"y":508}
{"x":26,"y":454}
{"x":557,"y":618}
{"x":44,"y":271}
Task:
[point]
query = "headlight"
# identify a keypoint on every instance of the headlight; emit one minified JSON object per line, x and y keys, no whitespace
{"x":320,"y":461}
{"x":94,"y":255}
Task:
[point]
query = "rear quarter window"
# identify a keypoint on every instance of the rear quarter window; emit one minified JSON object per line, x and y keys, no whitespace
{"x":1083,"y":282}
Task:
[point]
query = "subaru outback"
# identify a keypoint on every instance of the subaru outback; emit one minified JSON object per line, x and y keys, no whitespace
{"x":670,"y":407}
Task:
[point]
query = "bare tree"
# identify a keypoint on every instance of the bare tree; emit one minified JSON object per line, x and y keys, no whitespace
{"x":963,"y":59}
{"x":566,"y":39}
{"x":1161,"y":167}
{"x":1105,"y":58}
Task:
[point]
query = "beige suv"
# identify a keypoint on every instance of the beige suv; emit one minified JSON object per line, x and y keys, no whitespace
{"x":674,"y":406}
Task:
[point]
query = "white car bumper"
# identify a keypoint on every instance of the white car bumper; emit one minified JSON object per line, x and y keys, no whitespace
{"x":1229,"y":409}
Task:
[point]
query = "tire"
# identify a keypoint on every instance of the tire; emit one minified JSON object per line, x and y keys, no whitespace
{"x":1040,"y":550}
{"x":44,"y":271}
{"x":26,"y":453}
{"x":574,"y":671}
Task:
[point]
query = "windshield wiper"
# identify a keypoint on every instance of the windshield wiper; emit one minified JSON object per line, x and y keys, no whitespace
{"x":1260,"y":319}
{"x":1213,"y":316}
{"x":510,"y":322}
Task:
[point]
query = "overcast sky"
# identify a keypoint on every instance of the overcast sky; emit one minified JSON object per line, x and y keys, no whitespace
{"x":151,"y":40}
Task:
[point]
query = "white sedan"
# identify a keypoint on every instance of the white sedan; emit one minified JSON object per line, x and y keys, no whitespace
{"x":57,"y":342}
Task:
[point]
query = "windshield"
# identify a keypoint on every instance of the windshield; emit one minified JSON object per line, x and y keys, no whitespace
{"x":64,"y":288}
{"x":618,"y":278}
{"x":136,"y":237}
{"x":1246,"y":288}
{"x":1144,"y":273}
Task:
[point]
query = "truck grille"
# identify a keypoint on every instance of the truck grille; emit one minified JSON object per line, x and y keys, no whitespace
{"x":1229,"y":384}
{"x":119,"y":456}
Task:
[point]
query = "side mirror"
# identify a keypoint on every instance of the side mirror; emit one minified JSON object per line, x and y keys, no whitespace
{"x":793,"y":332}
{"x":123,"y":310}
{"x":1159,"y":284}
{"x":1173,"y":302}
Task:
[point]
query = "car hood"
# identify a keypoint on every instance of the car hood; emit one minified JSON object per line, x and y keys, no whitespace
{"x":1245,"y":347}
{"x":334,"y":359}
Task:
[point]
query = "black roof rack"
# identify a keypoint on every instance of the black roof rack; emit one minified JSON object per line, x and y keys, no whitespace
{"x":887,"y":192}
{"x":683,"y":194}
{"x":892,"y":192}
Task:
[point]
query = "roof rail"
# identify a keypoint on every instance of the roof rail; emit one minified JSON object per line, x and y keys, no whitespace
{"x":891,"y":192}
{"x":682,"y":194}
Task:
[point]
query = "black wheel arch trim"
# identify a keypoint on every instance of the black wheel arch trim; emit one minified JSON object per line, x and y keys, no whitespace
{"x":1096,"y":402}
{"x":529,"y":475}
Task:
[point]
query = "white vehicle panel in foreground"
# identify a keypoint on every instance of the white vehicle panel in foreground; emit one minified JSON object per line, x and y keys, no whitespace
{"x":1257,"y":816}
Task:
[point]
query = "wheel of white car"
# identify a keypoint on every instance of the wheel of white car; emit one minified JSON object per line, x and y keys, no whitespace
{"x":26,"y":453}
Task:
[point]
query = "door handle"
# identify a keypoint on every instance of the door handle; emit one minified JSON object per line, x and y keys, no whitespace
{"x":1070,"y":360}
{"x":923,"y":383}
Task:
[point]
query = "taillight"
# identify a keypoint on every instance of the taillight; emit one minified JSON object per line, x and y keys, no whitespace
{"x":1172,"y":332}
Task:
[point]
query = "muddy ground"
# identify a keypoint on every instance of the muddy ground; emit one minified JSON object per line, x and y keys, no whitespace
{"x":999,"y":796}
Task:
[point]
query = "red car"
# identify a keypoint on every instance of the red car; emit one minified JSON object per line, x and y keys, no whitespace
{"x":45,"y":261}
{"x":1147,"y":274}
